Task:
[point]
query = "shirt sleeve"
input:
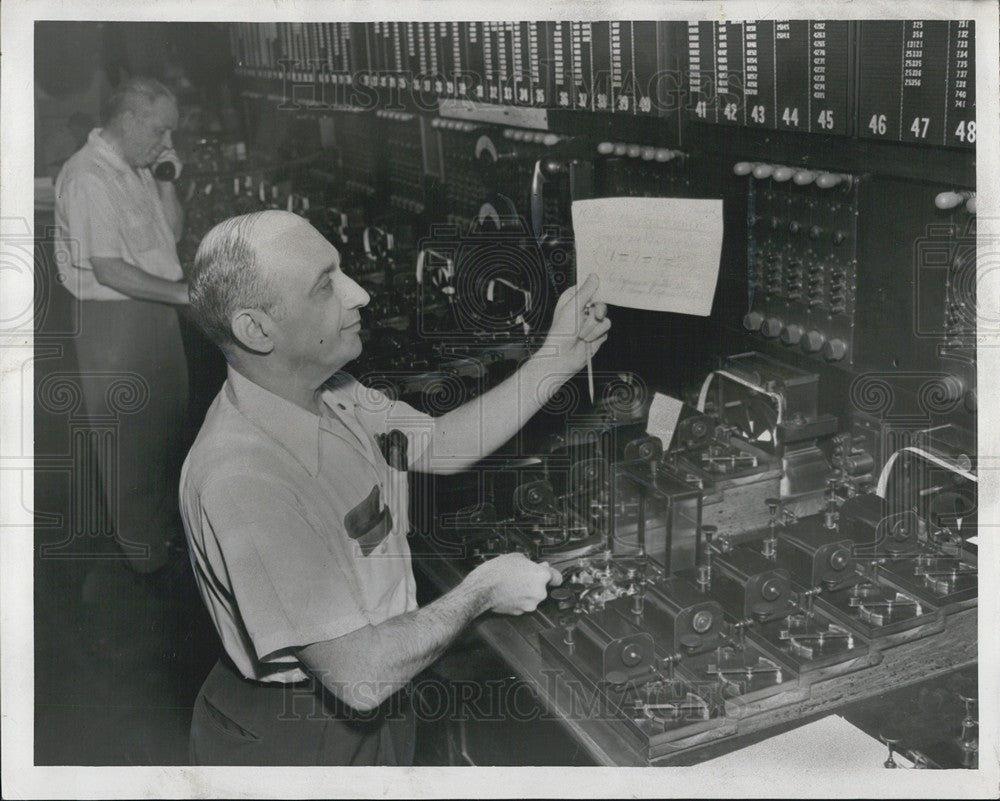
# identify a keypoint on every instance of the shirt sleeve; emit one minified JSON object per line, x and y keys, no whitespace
{"x":290,"y":587}
{"x":91,"y":220}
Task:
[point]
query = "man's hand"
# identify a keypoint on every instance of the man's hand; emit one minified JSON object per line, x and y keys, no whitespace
{"x":513,"y":583}
{"x":578,"y":324}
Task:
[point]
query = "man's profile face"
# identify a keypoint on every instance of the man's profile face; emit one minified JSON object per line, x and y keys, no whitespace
{"x":317,"y":320}
{"x":146,"y":130}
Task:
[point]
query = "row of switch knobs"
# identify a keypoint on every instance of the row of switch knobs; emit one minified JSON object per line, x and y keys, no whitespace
{"x":797,"y":175}
{"x":812,"y":341}
{"x":794,"y":227}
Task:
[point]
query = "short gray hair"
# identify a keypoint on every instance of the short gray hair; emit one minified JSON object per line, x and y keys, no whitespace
{"x":226,"y":277}
{"x":133,"y":92}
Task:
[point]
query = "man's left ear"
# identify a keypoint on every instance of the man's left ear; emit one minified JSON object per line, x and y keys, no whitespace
{"x":252,"y":328}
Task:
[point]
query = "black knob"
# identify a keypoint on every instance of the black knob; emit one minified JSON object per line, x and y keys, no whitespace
{"x":690,"y":643}
{"x":552,"y":166}
{"x":771,"y":327}
{"x":771,"y":590}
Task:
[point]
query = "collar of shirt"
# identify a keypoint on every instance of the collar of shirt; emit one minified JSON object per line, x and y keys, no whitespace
{"x":294,"y":428}
{"x":107,"y":151}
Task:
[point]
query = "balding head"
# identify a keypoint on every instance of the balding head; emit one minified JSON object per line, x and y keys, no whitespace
{"x":135,"y":95}
{"x":231,"y":270}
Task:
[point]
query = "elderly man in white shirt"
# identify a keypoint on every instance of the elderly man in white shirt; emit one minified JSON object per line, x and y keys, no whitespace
{"x":294,"y":499}
{"x":116,"y":234}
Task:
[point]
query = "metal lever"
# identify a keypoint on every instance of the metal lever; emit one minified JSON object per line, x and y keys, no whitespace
{"x":770,"y":542}
{"x":703,"y":553}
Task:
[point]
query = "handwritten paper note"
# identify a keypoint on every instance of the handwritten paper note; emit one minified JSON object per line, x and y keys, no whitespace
{"x":664,"y":412}
{"x":660,"y":254}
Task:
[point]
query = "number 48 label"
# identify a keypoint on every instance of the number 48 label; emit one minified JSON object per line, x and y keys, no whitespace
{"x":966,"y":131}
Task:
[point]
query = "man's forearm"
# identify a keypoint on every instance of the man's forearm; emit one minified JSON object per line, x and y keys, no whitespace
{"x":365,"y":667}
{"x":128,"y":279}
{"x":476,"y":429}
{"x":172,"y":208}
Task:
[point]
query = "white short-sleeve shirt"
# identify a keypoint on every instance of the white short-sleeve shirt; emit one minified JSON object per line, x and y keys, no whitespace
{"x":296,"y":523}
{"x":108,"y":209}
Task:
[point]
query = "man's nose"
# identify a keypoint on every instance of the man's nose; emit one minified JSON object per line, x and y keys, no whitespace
{"x":354,"y":294}
{"x":168,"y":141}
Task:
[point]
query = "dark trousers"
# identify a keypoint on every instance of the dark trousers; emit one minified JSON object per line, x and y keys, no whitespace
{"x":134,"y":382}
{"x":237,"y":721}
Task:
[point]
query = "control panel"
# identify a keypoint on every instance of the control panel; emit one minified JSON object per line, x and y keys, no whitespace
{"x":816,"y":510}
{"x":802,"y":258}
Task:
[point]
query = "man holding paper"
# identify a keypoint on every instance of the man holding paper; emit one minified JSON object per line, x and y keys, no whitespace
{"x":294,"y":499}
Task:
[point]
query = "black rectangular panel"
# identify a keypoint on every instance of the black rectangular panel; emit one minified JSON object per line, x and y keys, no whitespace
{"x":729,"y":73}
{"x":644,"y":47}
{"x":791,"y":75}
{"x":924,"y":73}
{"x":759,"y":86}
{"x":583,"y":65}
{"x":880,"y":90}
{"x":829,"y":77}
{"x":562,"y":63}
{"x":960,"y":109}
{"x":539,"y":37}
{"x":475,"y":71}
{"x":702,"y":104}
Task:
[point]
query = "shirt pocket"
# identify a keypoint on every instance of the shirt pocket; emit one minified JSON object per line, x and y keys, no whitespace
{"x":369,"y":523}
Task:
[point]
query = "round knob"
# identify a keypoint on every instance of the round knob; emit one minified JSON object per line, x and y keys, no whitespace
{"x":708,"y":532}
{"x":648,"y":153}
{"x":839,"y":559}
{"x":803,"y":177}
{"x":838,"y":237}
{"x":605,"y":148}
{"x":794,"y":227}
{"x":813,"y":341}
{"x":771,"y":590}
{"x":620,"y":148}
{"x":743,"y":167}
{"x":829,"y":180}
{"x":690,"y":643}
{"x":815,"y":232}
{"x":631,"y":655}
{"x":835,"y":350}
{"x":634,"y":151}
{"x":771,"y":327}
{"x":970,"y":205}
{"x":664,"y":154}
{"x":791,"y":334}
{"x":753,"y":321}
{"x":949,"y":200}
{"x":782,"y":173}
{"x":702,"y":621}
{"x":762,"y":171}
